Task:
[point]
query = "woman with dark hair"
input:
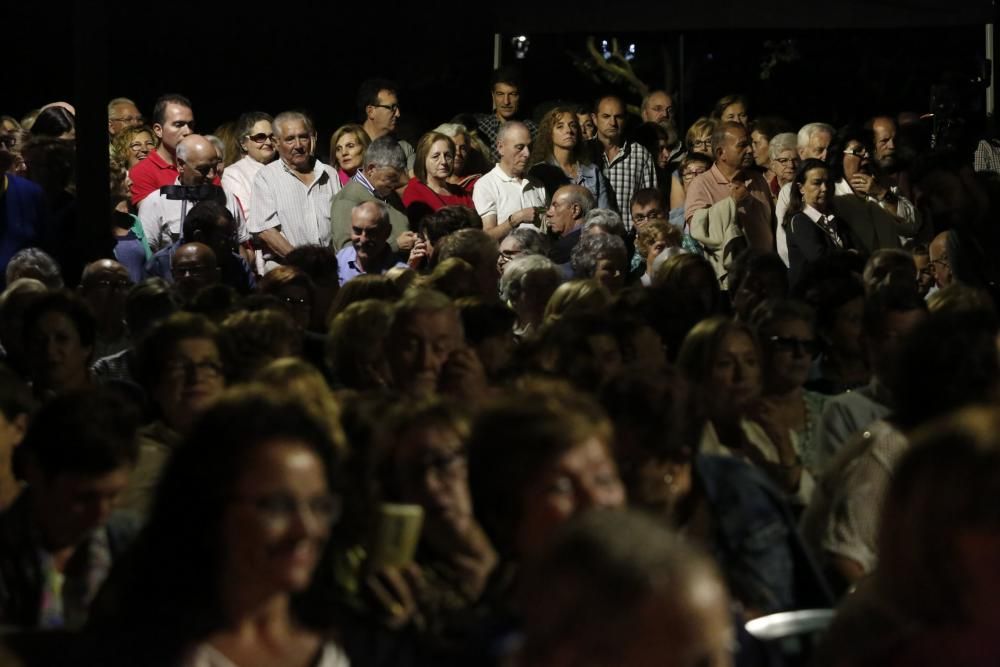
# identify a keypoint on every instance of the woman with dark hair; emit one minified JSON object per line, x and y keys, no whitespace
{"x":732,"y":108}
{"x":654,"y":138}
{"x":813,"y":230}
{"x":560,"y":157}
{"x":233,"y":567}
{"x":431,"y":189}
{"x":55,"y":122}
{"x":59,"y":335}
{"x":257,"y":144}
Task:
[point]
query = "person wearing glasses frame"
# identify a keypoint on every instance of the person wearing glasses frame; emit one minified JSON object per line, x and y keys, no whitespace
{"x":379,"y":111}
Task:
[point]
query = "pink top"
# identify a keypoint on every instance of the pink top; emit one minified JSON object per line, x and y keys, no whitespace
{"x":344,"y":176}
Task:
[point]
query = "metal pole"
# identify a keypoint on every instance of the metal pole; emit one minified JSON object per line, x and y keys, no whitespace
{"x":496,"y":51}
{"x":989,"y":59}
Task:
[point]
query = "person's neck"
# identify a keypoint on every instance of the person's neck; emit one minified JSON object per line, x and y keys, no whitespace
{"x":510,"y":171}
{"x":726,"y":170}
{"x":306,"y":171}
{"x":374,"y":132}
{"x":438,"y":185}
{"x":611,"y":146}
{"x":368,"y":260}
{"x":822,"y":209}
{"x":165,"y":154}
{"x":564,"y":158}
{"x":253,"y":616}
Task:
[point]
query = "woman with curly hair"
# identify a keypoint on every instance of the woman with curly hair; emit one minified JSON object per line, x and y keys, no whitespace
{"x":560,"y":156}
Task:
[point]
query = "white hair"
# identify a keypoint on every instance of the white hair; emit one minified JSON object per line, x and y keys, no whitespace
{"x":809,"y":130}
{"x":786,"y":141}
{"x":512,"y":280}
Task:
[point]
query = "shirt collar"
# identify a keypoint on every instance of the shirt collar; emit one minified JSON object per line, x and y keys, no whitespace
{"x":815,"y":215}
{"x":359,"y":176}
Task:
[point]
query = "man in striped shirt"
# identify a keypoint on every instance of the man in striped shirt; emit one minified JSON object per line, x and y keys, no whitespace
{"x":292,"y":195}
{"x":627,"y":165}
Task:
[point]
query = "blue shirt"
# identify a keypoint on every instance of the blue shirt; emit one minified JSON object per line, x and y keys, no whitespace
{"x":22,"y":216}
{"x":348,"y":267}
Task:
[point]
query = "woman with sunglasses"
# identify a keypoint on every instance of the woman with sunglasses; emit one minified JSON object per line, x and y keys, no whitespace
{"x":256,"y":139}
{"x":785,"y":328}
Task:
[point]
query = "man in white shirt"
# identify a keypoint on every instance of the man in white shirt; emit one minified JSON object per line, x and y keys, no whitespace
{"x":162,"y":213}
{"x":291,"y":196}
{"x":506,"y":197}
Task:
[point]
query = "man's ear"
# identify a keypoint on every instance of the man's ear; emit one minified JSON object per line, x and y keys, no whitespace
{"x":158,"y":130}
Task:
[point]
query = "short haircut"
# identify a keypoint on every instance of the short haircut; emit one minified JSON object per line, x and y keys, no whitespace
{"x":700,"y":127}
{"x":368,"y":94}
{"x":472,"y":245}
{"x":593,"y":247}
{"x":786,"y":141}
{"x":385,"y":152}
{"x":653,"y":231}
{"x":118,"y":101}
{"x":34,"y":263}
{"x":646,"y":196}
{"x":160,"y":107}
{"x":719,"y":136}
{"x":382,"y":219}
{"x":446,"y":220}
{"x":88,"y":433}
{"x":156,"y":348}
{"x":606,"y":219}
{"x":810,"y":129}
{"x":514,"y":274}
{"x":507,"y":75}
{"x":204,"y":217}
{"x":532,"y":242}
{"x":582,"y":197}
{"x":508,"y":127}
{"x":318,"y":262}
{"x":69,"y":304}
{"x":290,"y":116}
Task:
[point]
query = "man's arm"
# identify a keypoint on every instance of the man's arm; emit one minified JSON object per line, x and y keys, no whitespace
{"x":151,"y":217}
{"x":276,"y":241}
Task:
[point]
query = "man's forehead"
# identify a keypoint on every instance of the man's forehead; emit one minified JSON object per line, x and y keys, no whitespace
{"x":179,"y":110}
{"x":292,"y":127}
{"x":504,"y":88}
{"x":822,"y":138}
{"x":517,"y":136}
{"x":387,"y":96}
{"x":104,"y":269}
{"x":610,"y":105}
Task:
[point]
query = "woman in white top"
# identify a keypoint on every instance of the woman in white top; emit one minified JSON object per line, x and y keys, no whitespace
{"x":233,"y":568}
{"x":257,"y":143}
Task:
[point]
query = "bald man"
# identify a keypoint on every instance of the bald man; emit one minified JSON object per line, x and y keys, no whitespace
{"x":940,"y":261}
{"x":194,"y":266}
{"x":506,"y":196}
{"x":104,"y":286}
{"x":162,"y":213}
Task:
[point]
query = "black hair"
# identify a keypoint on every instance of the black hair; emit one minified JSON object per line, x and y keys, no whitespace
{"x":53,"y":122}
{"x":368,"y":94}
{"x":204,"y":217}
{"x":160,"y":107}
{"x":69,"y":304}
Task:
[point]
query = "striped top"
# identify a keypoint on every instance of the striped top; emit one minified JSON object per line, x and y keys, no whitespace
{"x":301,"y":213}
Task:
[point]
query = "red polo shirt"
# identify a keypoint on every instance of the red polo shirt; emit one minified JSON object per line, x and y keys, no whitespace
{"x":150,"y":175}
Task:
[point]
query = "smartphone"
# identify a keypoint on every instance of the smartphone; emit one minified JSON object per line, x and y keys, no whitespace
{"x":395,"y":535}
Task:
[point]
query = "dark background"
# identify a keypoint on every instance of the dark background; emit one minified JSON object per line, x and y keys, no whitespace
{"x":230,"y":57}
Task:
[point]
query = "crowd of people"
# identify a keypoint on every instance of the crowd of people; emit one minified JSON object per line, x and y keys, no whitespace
{"x":558,"y":388}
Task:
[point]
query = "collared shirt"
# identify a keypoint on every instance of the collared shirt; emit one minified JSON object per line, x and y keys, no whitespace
{"x":349,"y":268}
{"x":987,"y":156}
{"x":826,"y":223}
{"x":301,"y":212}
{"x":488,"y":126}
{"x":162,"y":218}
{"x":501,"y":195}
{"x":150,"y":175}
{"x":631,"y":169}
{"x":238,"y":179}
{"x":551,"y":175}
{"x":754,"y":213}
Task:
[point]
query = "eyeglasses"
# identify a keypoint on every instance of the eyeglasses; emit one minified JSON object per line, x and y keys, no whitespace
{"x":857,"y":152}
{"x":391,"y":108}
{"x":702,"y":143}
{"x":787,"y":160}
{"x":942,"y":261}
{"x":116,"y":285}
{"x":689,"y":174}
{"x":444,"y":465}
{"x":798,"y":345}
{"x":261,"y":137}
{"x":655,"y":214}
{"x":183,"y":368}
{"x":128,"y":119}
{"x":296,"y":302}
{"x":279,"y":509}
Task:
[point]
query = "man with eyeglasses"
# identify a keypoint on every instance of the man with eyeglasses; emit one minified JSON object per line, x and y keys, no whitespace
{"x":172,"y":121}
{"x":378,"y":107}
{"x":369,"y":252}
{"x":162,"y":213}
{"x":194,"y":267}
{"x":291,"y":197}
{"x":940,"y":264}
{"x":122,"y":114}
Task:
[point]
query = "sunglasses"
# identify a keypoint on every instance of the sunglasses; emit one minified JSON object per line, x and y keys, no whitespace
{"x":261,"y":137}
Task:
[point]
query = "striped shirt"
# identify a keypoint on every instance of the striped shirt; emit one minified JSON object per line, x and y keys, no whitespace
{"x":631,"y":169}
{"x":302,"y":213}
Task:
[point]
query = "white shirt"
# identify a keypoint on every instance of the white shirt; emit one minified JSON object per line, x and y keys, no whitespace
{"x":280,"y":199}
{"x":162,"y":219}
{"x":206,"y":655}
{"x":501,"y":195}
{"x":238,"y":179}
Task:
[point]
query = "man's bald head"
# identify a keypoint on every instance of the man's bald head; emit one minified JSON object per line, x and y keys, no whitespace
{"x":514,"y":145}
{"x":102,"y":270}
{"x":194,"y":266}
{"x":197,"y":160}
{"x":940,"y":259}
{"x":657,"y":107}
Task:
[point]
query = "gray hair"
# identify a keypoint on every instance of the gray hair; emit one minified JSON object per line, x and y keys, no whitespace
{"x":786,"y":141}
{"x":811,"y":129}
{"x":289,"y":116}
{"x":184,"y":145}
{"x":605,"y":219}
{"x":119,"y":100}
{"x":383,"y":212}
{"x":514,"y":274}
{"x":532,"y":242}
{"x":220,"y":148}
{"x":35,"y":263}
{"x":452,"y":129}
{"x":386,"y":152}
{"x":593,"y":247}
{"x":581,"y":196}
{"x":508,"y":127}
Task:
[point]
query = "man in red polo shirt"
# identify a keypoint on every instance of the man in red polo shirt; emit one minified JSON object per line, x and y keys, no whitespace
{"x":172,"y":121}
